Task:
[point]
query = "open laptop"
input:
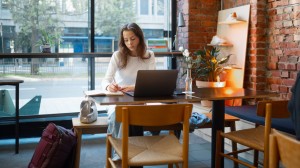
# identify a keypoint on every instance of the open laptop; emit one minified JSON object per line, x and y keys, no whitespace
{"x":154,"y":83}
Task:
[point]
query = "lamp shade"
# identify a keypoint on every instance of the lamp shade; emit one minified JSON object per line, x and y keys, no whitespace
{"x":180,"y":20}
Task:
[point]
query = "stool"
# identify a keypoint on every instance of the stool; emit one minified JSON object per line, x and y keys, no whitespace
{"x":99,"y":126}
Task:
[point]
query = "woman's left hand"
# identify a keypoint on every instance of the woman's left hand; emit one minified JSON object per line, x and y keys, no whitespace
{"x":127,"y":88}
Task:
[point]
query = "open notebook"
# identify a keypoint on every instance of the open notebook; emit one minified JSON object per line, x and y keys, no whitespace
{"x":102,"y":93}
{"x":152,"y":83}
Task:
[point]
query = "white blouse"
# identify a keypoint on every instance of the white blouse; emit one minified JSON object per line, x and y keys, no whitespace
{"x":127,"y":75}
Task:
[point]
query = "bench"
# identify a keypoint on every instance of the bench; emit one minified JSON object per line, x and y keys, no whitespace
{"x":248,"y":113}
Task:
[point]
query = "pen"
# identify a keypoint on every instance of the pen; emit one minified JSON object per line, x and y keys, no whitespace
{"x":114,"y":83}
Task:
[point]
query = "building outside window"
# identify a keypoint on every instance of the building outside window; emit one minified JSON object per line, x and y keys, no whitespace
{"x":26,"y":26}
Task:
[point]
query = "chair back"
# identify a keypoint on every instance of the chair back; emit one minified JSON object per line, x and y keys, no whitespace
{"x":271,"y":109}
{"x":284,"y":148}
{"x":153,"y":115}
{"x":279,"y":108}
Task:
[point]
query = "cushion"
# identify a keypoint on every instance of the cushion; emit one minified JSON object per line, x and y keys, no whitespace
{"x":248,"y":113}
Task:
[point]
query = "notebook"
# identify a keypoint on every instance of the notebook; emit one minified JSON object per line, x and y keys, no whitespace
{"x":154,"y":83}
{"x":102,"y":93}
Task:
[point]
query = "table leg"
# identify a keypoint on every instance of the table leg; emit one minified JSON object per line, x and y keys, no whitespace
{"x":218,"y":111}
{"x":78,"y":147}
{"x":17,"y":120}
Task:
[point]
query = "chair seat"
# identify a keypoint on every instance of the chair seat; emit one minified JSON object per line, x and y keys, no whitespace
{"x":150,"y":150}
{"x":253,"y":137}
{"x":248,"y":113}
{"x":227,"y":117}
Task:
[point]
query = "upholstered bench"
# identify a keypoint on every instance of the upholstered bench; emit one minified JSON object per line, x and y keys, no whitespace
{"x":248,"y":113}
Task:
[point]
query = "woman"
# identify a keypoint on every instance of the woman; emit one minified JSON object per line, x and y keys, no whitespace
{"x":124,"y":64}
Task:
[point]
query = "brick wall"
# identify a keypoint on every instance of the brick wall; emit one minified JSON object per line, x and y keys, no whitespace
{"x":201,"y":22}
{"x":283,"y":45}
{"x":273,"y":49}
{"x":200,"y":26}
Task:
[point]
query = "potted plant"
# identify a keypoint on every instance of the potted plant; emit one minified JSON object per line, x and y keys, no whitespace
{"x":206,"y":66}
{"x":47,"y":41}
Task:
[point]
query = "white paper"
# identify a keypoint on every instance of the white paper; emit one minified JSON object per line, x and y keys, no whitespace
{"x":102,"y":93}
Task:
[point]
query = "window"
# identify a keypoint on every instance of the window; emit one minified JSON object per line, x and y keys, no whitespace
{"x":65,"y":23}
{"x":156,"y":7}
{"x":144,"y":7}
{"x":4,"y":4}
{"x":160,"y":7}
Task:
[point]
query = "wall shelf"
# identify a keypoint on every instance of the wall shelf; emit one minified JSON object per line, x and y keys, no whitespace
{"x":220,"y":45}
{"x":232,"y":22}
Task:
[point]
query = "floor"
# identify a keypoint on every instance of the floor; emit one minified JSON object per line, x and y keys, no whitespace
{"x":93,"y":152}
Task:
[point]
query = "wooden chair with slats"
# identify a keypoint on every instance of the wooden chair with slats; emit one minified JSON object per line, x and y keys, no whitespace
{"x":229,"y":121}
{"x":257,"y":138}
{"x":284,"y":149}
{"x":150,"y":150}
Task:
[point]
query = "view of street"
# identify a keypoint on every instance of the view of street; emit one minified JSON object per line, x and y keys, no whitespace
{"x":61,"y":87}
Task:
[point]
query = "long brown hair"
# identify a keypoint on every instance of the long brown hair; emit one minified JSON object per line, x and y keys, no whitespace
{"x":141,"y":48}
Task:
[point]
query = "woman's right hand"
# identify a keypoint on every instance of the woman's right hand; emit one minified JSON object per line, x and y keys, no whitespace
{"x":113,"y":87}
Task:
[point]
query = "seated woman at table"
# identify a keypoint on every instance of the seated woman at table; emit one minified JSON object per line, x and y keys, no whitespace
{"x":131,"y":56}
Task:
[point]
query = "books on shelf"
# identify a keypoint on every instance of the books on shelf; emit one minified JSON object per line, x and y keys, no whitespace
{"x":157,"y":45}
{"x":102,"y":93}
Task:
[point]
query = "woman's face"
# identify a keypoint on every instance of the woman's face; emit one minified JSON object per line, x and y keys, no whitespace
{"x":131,"y":41}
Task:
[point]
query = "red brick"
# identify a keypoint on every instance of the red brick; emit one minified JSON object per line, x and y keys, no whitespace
{"x":283,"y":89}
{"x":274,"y":80}
{"x":281,"y":65}
{"x":278,"y":24}
{"x":280,"y":38}
{"x":284,"y":74}
{"x":293,"y":75}
{"x":288,"y":82}
{"x":272,"y":66}
{"x":273,"y":59}
{"x":274,"y":87}
{"x":275,"y":73}
{"x":278,"y":52}
{"x":274,"y":45}
{"x":291,"y":66}
{"x":283,"y":59}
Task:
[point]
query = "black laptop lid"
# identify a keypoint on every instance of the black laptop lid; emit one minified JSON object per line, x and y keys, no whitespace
{"x":151,"y":83}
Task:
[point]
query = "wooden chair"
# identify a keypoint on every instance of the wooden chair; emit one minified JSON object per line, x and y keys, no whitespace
{"x":229,"y":121}
{"x":284,"y":148}
{"x":257,"y":138}
{"x":150,"y":150}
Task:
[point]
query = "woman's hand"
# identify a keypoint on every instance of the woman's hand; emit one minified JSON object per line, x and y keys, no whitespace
{"x":113,"y":87}
{"x":127,"y":88}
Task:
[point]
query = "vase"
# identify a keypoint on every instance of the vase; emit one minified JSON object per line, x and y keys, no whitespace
{"x":188,"y":82}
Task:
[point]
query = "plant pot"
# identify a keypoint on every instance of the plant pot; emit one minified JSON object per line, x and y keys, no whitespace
{"x":45,"y":48}
{"x":205,"y":84}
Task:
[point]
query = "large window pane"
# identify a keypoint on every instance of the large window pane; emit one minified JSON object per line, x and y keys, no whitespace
{"x":64,"y":26}
{"x":110,"y":17}
{"x":144,"y":7}
{"x":160,"y":7}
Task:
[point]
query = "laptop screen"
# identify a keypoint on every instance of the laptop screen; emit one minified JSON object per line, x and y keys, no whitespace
{"x":150,"y":83}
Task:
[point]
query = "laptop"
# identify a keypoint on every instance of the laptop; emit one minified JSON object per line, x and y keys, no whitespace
{"x":154,"y":83}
